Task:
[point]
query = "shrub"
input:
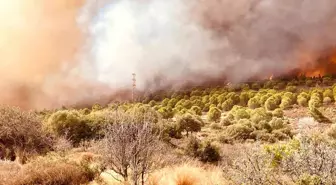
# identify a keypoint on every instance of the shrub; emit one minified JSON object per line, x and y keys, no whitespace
{"x":172,"y":102}
{"x":291,"y":89}
{"x":241,"y":114}
{"x":271,"y":104}
{"x":210,"y":153}
{"x":166,"y":113}
{"x":96,"y":107}
{"x":198,"y":103}
{"x":262,"y":126}
{"x":51,"y":172}
{"x":227,"y":105}
{"x":327,"y":81}
{"x":278,"y":113}
{"x":69,"y":124}
{"x":253,"y":103}
{"x":260,"y":114}
{"x":215,"y":126}
{"x":269,"y":84}
{"x":226,"y":121}
{"x":279,"y":86}
{"x":152,"y":103}
{"x":187,"y":104}
{"x":21,"y":133}
{"x":309,"y":83}
{"x":234,"y":97}
{"x":196,"y":110}
{"x":328,"y":93}
{"x":314,"y":102}
{"x":276,"y":123}
{"x":331,"y":132}
{"x":327,"y":100}
{"x":214,"y":114}
{"x":255,"y":86}
{"x":172,"y":130}
{"x":244,"y":98}
{"x":318,"y":116}
{"x":206,"y":108}
{"x":190,"y":123}
{"x":286,"y":103}
{"x":193,"y":147}
{"x":302,"y":101}
{"x":165,"y":102}
{"x":263,"y":99}
{"x":239,"y":131}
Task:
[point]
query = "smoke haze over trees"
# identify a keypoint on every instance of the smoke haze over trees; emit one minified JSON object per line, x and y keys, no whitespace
{"x":70,"y":51}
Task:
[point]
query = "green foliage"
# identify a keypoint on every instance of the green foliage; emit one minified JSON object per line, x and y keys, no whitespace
{"x":187,"y":104}
{"x":166,"y":113}
{"x":244,"y":98}
{"x":269,"y":84}
{"x":327,"y":81}
{"x":165,"y":102}
{"x":210,"y":153}
{"x":327,"y":100}
{"x":214,"y":114}
{"x":315,"y":100}
{"x":190,"y":123}
{"x":96,"y":107}
{"x":193,"y":147}
{"x":21,"y":133}
{"x":302,"y":99}
{"x":172,"y":102}
{"x":286,"y":102}
{"x":196,"y":110}
{"x":310,"y":83}
{"x":278,"y":113}
{"x":306,"y":179}
{"x":279,"y":152}
{"x":259,"y":115}
{"x":253,"y":103}
{"x":291,"y":89}
{"x":216,"y":126}
{"x":328,"y":93}
{"x":152,"y":103}
{"x":227,"y":105}
{"x":238,"y":131}
{"x":331,"y":132}
{"x":271,"y":103}
{"x":69,"y":124}
{"x":277,"y":123}
{"x":255,"y":86}
{"x":227,"y":120}
{"x":317,"y":115}
{"x":172,"y":130}
{"x":240,"y":114}
{"x":198,"y":103}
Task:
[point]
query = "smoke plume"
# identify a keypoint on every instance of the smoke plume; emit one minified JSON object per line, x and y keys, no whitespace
{"x":63,"y":52}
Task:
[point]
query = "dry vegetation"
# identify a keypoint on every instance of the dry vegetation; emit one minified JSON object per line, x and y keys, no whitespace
{"x":274,"y":132}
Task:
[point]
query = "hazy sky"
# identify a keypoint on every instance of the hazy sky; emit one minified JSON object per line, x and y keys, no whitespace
{"x":76,"y":51}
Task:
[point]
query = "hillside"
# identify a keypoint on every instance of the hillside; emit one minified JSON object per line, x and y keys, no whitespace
{"x":271,"y":132}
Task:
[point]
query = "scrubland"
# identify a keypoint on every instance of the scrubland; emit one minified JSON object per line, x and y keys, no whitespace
{"x":271,"y":132}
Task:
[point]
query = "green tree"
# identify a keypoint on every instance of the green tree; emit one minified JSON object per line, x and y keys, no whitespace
{"x":190,"y":123}
{"x":214,"y":114}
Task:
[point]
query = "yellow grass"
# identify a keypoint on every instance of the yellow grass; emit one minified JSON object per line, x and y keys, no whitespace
{"x":188,"y":174}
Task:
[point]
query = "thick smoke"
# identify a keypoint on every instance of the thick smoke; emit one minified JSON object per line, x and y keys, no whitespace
{"x":63,"y":52}
{"x":180,"y":41}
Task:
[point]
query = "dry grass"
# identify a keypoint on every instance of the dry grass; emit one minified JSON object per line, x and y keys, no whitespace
{"x":188,"y":174}
{"x":44,"y":171}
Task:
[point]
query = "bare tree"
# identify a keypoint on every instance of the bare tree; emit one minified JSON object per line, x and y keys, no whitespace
{"x":128,"y":148}
{"x":21,"y":134}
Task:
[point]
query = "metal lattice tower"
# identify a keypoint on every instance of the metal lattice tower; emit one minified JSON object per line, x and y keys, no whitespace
{"x":133,"y":86}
